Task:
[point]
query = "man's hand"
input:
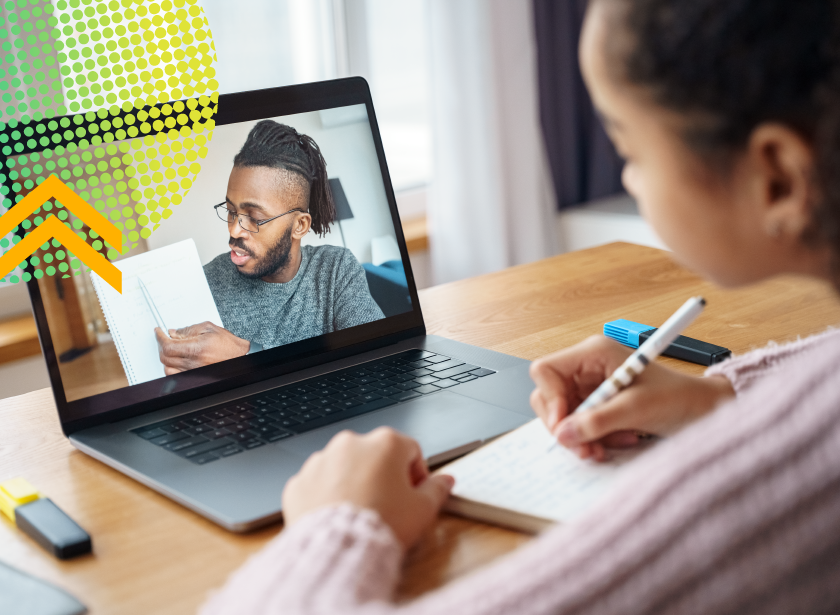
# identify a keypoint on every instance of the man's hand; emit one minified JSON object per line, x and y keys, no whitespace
{"x":382,"y":471}
{"x":198,"y":345}
{"x":660,"y":401}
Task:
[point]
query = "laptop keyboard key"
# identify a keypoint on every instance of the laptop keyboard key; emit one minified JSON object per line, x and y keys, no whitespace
{"x":399,"y":378}
{"x":215,"y":435}
{"x":482,"y":371}
{"x":169,"y":438}
{"x":150,"y":434}
{"x":439,"y":358}
{"x":466,"y":378}
{"x":425,"y":380}
{"x":405,"y":395}
{"x":287,"y":423}
{"x":253,"y":443}
{"x":440,"y":367}
{"x":229,"y":450}
{"x":206,"y":447}
{"x":184,"y":444}
{"x":282,"y":414}
{"x":426,"y":389}
{"x":406,"y":386}
{"x":389,"y":392}
{"x":308,"y":416}
{"x":202,"y":459}
{"x":445,"y":383}
{"x":278,"y":436}
{"x":456,"y":371}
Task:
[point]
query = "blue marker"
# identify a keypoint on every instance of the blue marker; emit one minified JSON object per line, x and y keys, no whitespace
{"x":685,"y":348}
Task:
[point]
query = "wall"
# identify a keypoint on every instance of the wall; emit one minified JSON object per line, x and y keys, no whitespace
{"x":604,"y":221}
{"x":350,"y":155}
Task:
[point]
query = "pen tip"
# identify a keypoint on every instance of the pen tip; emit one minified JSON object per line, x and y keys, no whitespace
{"x":702,"y":301}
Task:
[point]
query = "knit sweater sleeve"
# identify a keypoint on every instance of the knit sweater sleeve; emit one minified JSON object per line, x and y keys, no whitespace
{"x":739,"y":513}
{"x":744,"y":370}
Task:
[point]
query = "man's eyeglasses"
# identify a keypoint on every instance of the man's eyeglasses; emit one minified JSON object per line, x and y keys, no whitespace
{"x":252,"y":225}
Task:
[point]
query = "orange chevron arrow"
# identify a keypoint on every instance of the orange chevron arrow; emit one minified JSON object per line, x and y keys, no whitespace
{"x":52,"y":187}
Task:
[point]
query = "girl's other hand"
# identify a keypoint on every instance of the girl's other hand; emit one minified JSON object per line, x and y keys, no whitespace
{"x":382,"y":471}
{"x":659,"y":402}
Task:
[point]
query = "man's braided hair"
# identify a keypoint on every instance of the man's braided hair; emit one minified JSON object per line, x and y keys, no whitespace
{"x":278,"y":146}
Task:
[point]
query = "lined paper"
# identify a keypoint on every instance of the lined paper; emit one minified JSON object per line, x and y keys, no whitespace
{"x":522,"y":472}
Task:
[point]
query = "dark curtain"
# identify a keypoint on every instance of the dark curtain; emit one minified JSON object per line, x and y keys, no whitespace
{"x":583,"y":162}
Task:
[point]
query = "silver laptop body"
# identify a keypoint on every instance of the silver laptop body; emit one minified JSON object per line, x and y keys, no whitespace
{"x":462,"y":397}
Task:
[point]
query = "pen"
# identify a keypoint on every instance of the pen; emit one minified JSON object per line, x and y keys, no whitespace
{"x":152,"y":307}
{"x":645,"y":354}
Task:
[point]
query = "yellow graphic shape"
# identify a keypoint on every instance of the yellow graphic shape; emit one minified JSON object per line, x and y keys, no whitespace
{"x":54,"y":188}
{"x":139,"y":78}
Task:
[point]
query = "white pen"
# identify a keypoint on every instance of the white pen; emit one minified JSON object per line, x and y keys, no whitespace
{"x":153,"y":308}
{"x":645,"y":354}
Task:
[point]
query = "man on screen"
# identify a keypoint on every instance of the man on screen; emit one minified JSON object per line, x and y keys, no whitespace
{"x":269,"y":289}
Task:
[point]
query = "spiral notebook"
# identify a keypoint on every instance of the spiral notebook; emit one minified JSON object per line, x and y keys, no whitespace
{"x":524,"y":482}
{"x":175,"y":280}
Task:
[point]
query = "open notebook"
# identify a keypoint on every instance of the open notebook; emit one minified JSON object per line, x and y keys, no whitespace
{"x":175,"y":280}
{"x":521,"y":481}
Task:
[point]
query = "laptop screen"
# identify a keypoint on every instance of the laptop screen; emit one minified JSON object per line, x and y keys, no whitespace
{"x":286,"y":245}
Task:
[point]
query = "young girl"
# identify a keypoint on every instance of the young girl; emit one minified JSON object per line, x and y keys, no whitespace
{"x":728,"y":114}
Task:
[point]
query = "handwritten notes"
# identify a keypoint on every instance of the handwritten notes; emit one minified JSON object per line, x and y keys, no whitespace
{"x":522,"y":473}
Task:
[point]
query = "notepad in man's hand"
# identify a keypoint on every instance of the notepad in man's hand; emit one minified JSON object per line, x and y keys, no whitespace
{"x":521,"y":481}
{"x":175,"y":280}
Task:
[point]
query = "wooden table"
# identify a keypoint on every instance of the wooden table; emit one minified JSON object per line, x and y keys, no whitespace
{"x":153,"y":556}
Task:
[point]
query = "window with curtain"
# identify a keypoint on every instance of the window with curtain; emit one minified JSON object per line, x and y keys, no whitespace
{"x":269,"y":43}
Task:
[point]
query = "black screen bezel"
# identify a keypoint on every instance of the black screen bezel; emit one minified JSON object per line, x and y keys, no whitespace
{"x":157,"y":394}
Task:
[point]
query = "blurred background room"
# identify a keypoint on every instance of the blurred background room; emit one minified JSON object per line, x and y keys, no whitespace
{"x":494,"y":150}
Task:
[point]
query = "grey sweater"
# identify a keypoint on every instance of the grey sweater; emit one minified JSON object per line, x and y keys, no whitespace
{"x":739,"y":514}
{"x":328,"y":293}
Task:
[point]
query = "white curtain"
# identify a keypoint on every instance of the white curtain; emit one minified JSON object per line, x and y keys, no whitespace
{"x":490,"y":203}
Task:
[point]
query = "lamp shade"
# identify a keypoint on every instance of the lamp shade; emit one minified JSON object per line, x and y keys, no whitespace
{"x":342,"y":207}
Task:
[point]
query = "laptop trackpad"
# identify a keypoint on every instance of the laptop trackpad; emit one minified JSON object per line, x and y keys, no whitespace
{"x":442,"y":423}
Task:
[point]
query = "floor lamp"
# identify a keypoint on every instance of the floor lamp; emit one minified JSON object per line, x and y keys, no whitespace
{"x":342,"y":207}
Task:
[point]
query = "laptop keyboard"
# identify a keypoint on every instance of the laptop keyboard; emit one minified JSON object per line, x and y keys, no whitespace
{"x":251,"y":422}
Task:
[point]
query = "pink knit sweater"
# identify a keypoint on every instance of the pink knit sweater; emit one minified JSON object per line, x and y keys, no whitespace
{"x":739,"y":513}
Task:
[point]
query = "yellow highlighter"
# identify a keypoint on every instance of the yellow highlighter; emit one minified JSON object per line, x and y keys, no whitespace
{"x":42,"y":520}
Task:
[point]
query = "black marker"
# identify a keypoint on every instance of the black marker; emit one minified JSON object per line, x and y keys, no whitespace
{"x":685,"y":348}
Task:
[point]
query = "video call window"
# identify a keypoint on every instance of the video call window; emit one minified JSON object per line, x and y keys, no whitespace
{"x":285,"y":235}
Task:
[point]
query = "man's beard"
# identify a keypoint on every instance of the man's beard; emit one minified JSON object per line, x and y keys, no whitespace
{"x":276,"y":258}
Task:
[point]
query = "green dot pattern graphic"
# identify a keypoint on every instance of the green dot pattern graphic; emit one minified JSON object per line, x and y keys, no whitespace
{"x":118,"y":99}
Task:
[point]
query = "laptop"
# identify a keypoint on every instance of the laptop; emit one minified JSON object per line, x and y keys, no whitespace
{"x":310,"y":334}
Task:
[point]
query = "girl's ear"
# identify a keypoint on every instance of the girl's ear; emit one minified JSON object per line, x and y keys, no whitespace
{"x":783,"y":187}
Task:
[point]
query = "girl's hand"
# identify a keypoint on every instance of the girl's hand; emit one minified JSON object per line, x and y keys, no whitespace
{"x":383,"y":471}
{"x":660,"y":401}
